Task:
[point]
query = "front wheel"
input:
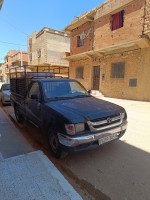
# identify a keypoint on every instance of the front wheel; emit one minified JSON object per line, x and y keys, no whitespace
{"x":54,"y":144}
{"x":19,"y":117}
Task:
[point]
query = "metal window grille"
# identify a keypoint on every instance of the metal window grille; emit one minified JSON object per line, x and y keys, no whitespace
{"x":79,"y":72}
{"x":117,"y":70}
{"x":133,"y":82}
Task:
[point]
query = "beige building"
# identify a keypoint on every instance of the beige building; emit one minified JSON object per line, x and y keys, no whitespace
{"x":47,"y":47}
{"x":13,"y":59}
{"x":110,"y":49}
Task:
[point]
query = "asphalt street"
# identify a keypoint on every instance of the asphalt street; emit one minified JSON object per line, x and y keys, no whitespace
{"x":118,"y":170}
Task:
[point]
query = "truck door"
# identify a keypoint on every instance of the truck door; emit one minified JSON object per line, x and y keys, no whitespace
{"x":33,"y":105}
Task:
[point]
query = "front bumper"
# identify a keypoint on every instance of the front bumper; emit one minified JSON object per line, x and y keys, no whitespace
{"x":78,"y":143}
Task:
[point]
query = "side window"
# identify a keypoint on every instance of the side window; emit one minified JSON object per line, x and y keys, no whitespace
{"x":35,"y":89}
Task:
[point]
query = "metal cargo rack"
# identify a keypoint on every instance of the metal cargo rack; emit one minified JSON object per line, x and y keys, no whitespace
{"x":21,"y":76}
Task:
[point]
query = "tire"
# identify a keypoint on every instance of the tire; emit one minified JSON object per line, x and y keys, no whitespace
{"x":53,"y":143}
{"x":19,"y":117}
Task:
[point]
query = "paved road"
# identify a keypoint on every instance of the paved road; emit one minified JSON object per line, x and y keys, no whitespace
{"x":116,"y":171}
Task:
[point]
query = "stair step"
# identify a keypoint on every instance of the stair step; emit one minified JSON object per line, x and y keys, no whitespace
{"x":96,"y":93}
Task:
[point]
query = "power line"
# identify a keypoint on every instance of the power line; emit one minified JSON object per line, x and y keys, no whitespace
{"x":12,"y":43}
{"x":15,"y":27}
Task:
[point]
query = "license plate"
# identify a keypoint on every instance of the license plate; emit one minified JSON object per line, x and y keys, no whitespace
{"x":108,"y":139}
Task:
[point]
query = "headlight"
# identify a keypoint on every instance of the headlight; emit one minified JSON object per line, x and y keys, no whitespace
{"x":124,"y":115}
{"x":80,"y":127}
{"x":73,"y":129}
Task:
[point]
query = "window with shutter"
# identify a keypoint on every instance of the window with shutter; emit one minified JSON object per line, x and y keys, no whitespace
{"x":117,"y":70}
{"x":117,"y":20}
{"x":79,"y":72}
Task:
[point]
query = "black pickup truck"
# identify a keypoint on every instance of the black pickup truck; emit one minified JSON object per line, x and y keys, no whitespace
{"x":72,"y":119}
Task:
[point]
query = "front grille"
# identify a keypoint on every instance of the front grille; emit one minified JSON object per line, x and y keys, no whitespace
{"x":105,"y":122}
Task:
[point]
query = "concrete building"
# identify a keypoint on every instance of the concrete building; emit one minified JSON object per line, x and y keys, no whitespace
{"x":13,"y":58}
{"x":47,"y":48}
{"x":110,"y":49}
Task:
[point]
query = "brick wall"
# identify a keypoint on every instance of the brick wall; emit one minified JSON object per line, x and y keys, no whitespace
{"x":84,"y":29}
{"x":131,"y":30}
{"x":101,"y":34}
{"x":147,"y":17}
{"x":87,"y":72}
{"x":137,"y":66}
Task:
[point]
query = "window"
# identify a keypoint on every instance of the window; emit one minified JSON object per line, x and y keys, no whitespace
{"x":132,"y":82}
{"x":30,"y":56}
{"x":79,"y":72}
{"x":117,"y":70}
{"x":39,"y":53}
{"x":80,"y":41}
{"x":35,"y":90}
{"x":117,"y":20}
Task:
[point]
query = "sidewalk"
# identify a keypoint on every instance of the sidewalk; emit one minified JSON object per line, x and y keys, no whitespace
{"x":12,"y":143}
{"x":26,"y":174}
{"x":33,"y":177}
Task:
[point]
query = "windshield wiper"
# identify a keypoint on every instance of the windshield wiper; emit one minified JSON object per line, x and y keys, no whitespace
{"x":57,"y":98}
{"x":82,"y":96}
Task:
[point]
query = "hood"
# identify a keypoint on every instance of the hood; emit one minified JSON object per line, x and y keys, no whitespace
{"x":84,"y":109}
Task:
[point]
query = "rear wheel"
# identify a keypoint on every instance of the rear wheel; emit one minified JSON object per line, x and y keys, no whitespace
{"x":3,"y":102}
{"x":53,"y":143}
{"x":19,"y":117}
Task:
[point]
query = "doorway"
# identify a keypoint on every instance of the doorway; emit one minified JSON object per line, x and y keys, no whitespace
{"x":96,"y":77}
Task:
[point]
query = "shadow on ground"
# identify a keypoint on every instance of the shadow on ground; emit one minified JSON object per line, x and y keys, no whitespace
{"x":116,"y":171}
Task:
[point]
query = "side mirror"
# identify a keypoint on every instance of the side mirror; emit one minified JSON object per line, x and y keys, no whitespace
{"x":34,"y":96}
{"x":89,"y":91}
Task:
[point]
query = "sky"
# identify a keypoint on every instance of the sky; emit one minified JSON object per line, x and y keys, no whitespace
{"x":20,"y":18}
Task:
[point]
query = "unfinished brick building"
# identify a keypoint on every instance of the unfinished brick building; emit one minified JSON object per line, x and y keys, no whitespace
{"x":110,"y":49}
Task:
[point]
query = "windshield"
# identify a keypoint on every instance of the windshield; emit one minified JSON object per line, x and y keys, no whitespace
{"x":63,"y":89}
{"x":6,"y":87}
